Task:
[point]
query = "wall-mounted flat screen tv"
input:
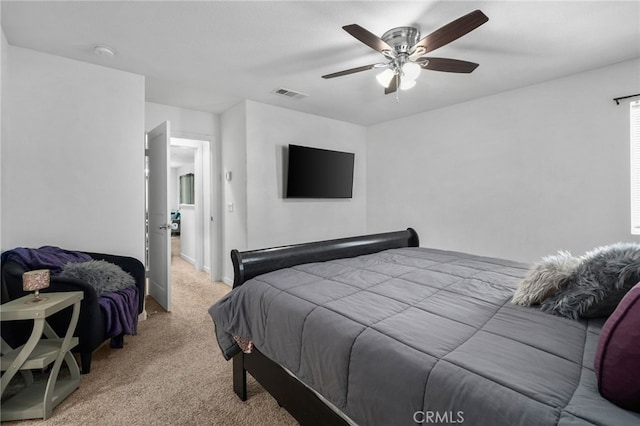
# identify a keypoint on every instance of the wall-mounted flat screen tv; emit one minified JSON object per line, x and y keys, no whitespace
{"x":319,"y":173}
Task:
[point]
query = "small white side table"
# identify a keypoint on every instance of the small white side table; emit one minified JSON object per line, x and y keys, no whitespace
{"x":37,"y":400}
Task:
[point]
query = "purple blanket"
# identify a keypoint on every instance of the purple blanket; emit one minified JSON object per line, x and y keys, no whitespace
{"x":45,"y":257}
{"x":120,"y":310}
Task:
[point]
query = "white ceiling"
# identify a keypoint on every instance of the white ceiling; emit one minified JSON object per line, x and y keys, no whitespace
{"x":210,"y":55}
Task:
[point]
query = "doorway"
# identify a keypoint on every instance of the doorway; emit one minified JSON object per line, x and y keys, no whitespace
{"x":196,"y":206}
{"x":189,"y":195}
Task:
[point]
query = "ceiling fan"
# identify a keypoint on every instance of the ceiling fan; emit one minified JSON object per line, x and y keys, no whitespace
{"x":403,"y":50}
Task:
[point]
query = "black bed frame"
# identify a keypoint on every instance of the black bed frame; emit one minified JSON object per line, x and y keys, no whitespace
{"x":302,"y":403}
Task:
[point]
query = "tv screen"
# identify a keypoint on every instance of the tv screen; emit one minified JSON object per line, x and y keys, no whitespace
{"x":319,"y":173}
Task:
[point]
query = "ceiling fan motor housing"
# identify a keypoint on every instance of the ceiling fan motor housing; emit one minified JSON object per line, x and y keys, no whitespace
{"x":402,"y":39}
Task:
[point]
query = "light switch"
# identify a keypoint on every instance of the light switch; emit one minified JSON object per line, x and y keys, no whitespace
{"x":230,"y":207}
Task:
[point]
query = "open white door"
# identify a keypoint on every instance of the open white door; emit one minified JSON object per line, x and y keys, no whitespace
{"x":159,"y":216}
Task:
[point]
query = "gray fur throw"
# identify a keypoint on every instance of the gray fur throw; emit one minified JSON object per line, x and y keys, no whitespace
{"x":602,"y":278}
{"x":103,"y":276}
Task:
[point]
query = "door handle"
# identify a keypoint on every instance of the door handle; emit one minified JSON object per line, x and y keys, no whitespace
{"x":165,"y":226}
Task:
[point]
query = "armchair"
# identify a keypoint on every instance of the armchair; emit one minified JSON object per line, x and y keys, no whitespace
{"x":92,"y":328}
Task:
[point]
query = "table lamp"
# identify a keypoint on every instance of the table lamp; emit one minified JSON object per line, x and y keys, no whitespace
{"x":36,"y":281}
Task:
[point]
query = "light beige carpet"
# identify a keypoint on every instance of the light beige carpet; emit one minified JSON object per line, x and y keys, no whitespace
{"x":170,"y":373}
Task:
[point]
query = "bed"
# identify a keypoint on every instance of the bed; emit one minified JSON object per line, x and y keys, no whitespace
{"x":375,"y":330}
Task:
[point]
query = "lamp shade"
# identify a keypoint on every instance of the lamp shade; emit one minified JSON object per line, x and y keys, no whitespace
{"x":410,"y":71}
{"x":385,"y":77}
{"x":35,"y":280}
{"x":407,"y":84}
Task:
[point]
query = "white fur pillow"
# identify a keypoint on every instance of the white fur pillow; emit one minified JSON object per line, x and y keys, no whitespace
{"x":545,"y":278}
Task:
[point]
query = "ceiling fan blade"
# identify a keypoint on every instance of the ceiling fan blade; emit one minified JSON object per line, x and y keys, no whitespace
{"x":452,"y":31}
{"x":366,"y":37}
{"x":448,"y":65}
{"x":349,"y":71}
{"x":393,"y":86}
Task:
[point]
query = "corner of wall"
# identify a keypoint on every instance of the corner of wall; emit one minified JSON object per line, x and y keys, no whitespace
{"x":4,"y":49}
{"x":233,"y":143}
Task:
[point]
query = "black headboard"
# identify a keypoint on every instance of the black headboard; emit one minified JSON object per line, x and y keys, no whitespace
{"x":249,"y":264}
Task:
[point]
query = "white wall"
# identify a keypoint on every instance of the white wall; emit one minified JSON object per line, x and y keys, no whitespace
{"x":185,"y":123}
{"x":72,"y":155}
{"x":183,"y":170}
{"x":253,"y":138}
{"x":187,"y":233}
{"x":518,"y":175}
{"x":198,"y":125}
{"x":273,"y":220}
{"x":234,"y":192}
{"x":174,"y":189}
{"x":4,"y":48}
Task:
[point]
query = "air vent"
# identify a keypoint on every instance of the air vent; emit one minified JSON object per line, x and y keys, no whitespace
{"x":290,"y":93}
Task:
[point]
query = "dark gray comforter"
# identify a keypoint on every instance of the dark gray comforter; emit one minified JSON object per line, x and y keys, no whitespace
{"x":420,"y":335}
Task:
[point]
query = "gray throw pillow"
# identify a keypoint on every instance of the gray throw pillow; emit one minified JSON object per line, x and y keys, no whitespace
{"x":601,"y":280}
{"x":103,"y":276}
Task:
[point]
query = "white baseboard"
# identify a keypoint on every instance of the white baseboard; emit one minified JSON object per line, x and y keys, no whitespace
{"x":188,"y":259}
{"x":227,"y":281}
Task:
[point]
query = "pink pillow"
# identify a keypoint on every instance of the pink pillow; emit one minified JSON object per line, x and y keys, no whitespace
{"x":617,"y":361}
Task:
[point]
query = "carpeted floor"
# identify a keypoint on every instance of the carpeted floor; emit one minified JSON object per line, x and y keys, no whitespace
{"x":170,"y":373}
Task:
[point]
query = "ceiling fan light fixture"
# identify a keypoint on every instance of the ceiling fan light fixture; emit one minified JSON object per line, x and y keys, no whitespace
{"x":385,"y":77}
{"x":407,"y":84}
{"x":410,"y":71}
